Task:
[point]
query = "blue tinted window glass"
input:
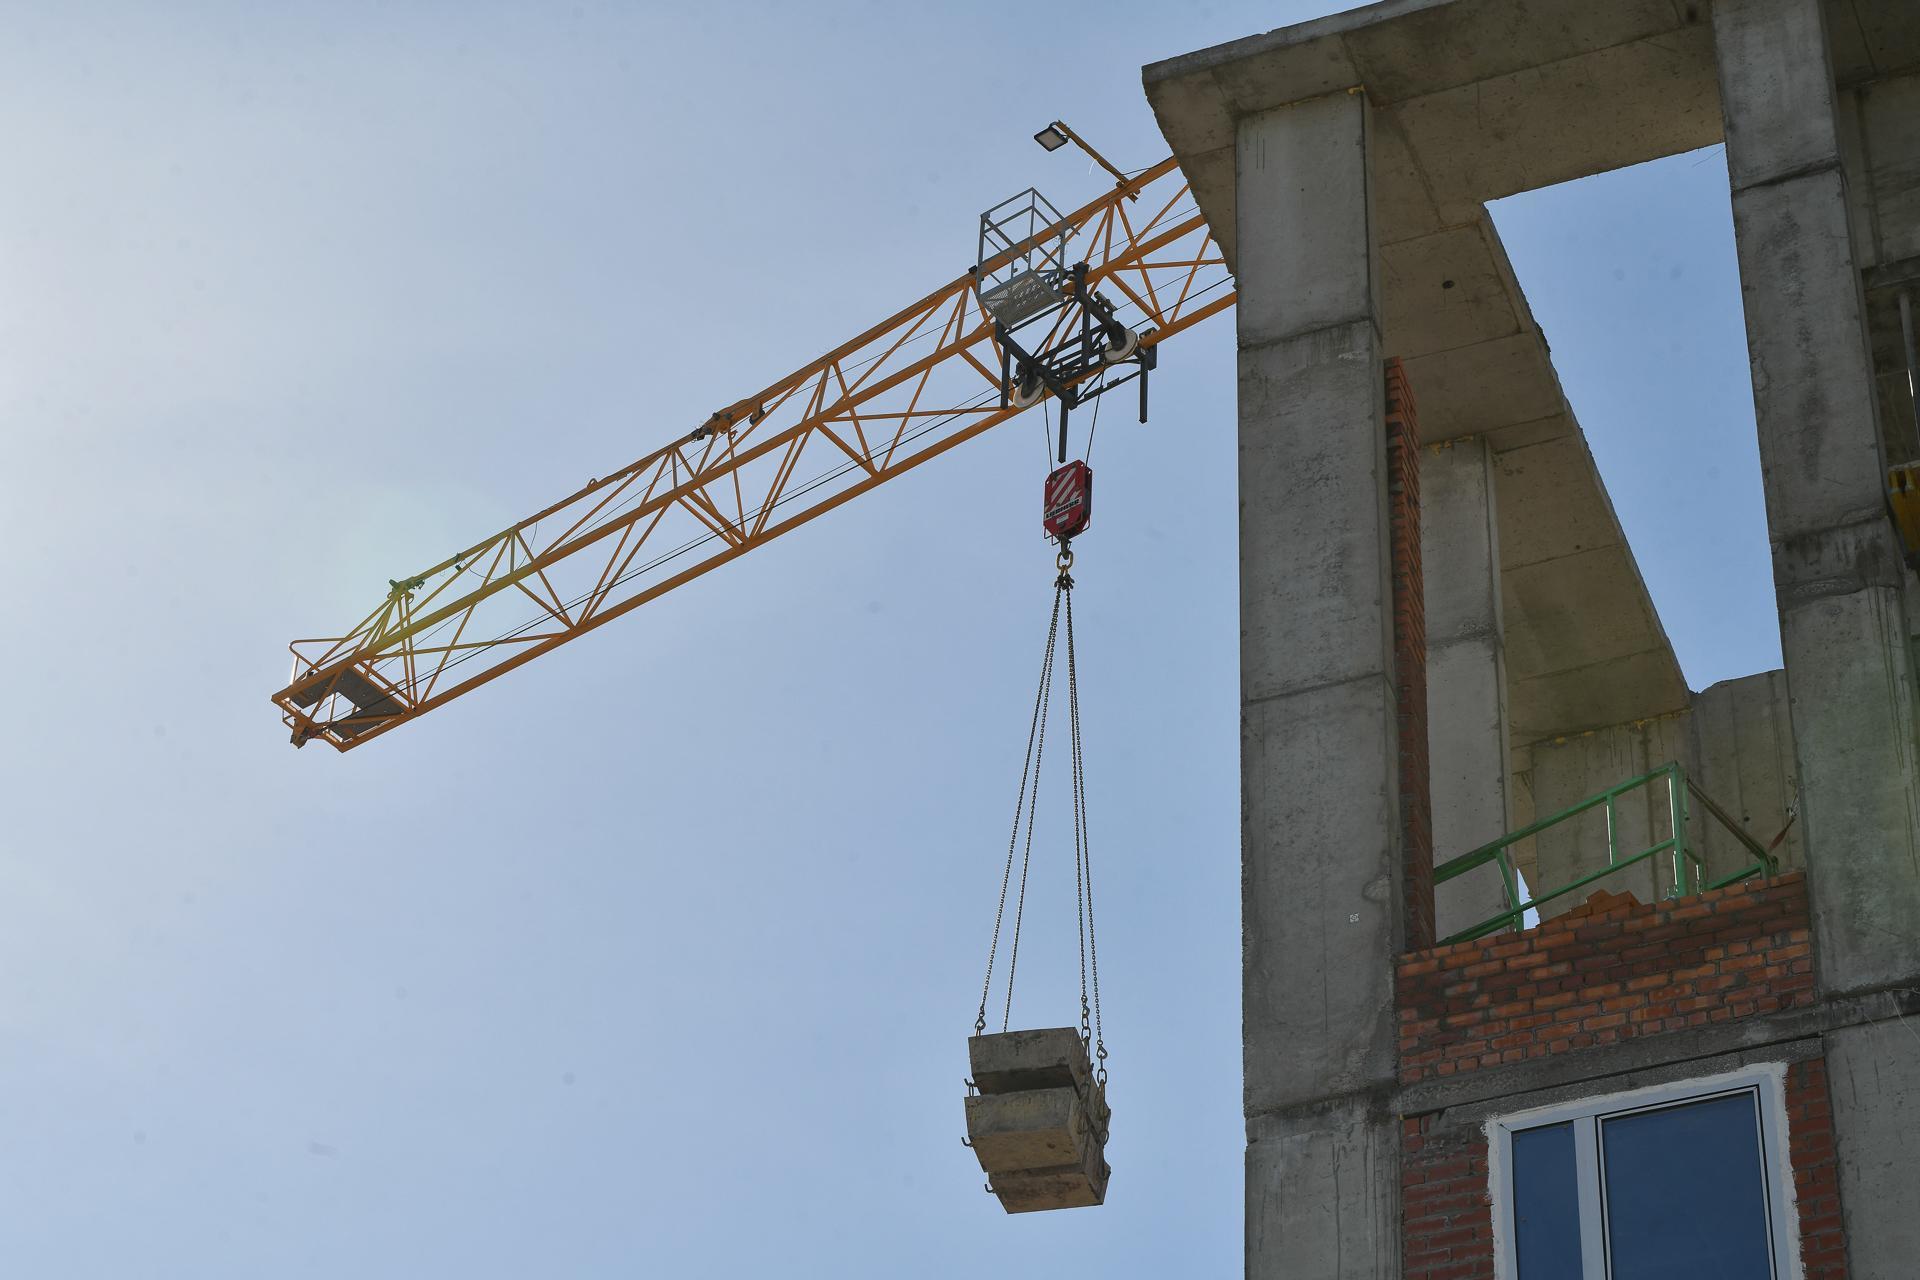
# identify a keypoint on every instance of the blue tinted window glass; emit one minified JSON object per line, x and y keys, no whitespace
{"x":1686,"y":1198}
{"x":1546,"y":1204}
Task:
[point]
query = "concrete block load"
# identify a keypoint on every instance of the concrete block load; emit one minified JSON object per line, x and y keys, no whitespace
{"x":1039,"y":1121}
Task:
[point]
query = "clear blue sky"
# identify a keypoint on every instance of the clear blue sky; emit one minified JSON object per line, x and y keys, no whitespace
{"x":657,"y":958}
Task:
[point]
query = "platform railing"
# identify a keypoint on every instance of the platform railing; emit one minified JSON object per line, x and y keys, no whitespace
{"x":1687,"y":871}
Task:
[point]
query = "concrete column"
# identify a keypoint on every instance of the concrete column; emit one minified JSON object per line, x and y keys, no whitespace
{"x":1319,"y":732}
{"x":1466,"y":674}
{"x":1873,"y":1073}
{"x":1837,"y":572}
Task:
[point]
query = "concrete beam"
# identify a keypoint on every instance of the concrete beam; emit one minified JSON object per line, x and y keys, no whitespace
{"x":1476,"y":98}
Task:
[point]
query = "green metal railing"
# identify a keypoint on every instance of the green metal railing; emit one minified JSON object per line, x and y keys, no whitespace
{"x":1688,"y":873}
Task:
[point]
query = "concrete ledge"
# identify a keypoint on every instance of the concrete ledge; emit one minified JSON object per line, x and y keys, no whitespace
{"x":1599,"y":1069}
{"x":1474,"y":1115}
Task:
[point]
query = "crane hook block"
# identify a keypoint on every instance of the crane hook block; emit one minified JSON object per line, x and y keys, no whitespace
{"x":1069,"y":501}
{"x":1039,"y":1123}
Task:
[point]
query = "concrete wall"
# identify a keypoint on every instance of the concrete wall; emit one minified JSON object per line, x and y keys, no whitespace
{"x":1466,"y":674}
{"x":1880,"y":129}
{"x":1874,"y":1072}
{"x":1736,"y":744}
{"x":1742,"y":750}
{"x":1880,"y":140}
{"x":1568,"y":770}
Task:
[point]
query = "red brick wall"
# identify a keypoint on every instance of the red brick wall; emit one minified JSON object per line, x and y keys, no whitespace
{"x":1607,"y":972}
{"x":1410,"y":653}
{"x":1816,"y":1178}
{"x":1593,"y":978}
{"x":1446,"y":1215}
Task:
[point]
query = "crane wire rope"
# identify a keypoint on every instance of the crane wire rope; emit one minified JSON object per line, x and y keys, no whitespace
{"x":1026,"y":805}
{"x":1082,"y":855}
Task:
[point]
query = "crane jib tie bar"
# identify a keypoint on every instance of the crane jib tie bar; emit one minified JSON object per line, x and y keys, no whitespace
{"x":1020,"y":841}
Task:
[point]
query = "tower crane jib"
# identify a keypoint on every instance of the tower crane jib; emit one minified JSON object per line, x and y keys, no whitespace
{"x":908,"y":389}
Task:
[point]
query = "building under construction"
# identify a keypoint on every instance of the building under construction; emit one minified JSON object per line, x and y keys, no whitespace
{"x":1703,"y":1061}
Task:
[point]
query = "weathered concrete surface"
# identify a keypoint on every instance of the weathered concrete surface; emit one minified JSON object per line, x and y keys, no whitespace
{"x":1039,"y":1125}
{"x":1320,"y":893}
{"x":1584,"y":648}
{"x":1736,"y":744}
{"x":1880,"y":151}
{"x":1466,"y":674}
{"x":1873,"y":1073}
{"x":1322,"y":899}
{"x":1323,"y":1194}
{"x":1477,"y":98}
{"x":1468,"y":100}
{"x":1820,"y":454}
{"x":1302,"y":169}
{"x":1034,"y":1129}
{"x":1045,"y":1058}
{"x":1569,"y":770}
{"x":1743,"y":758}
{"x":1322,"y":616}
{"x":1872,"y":39}
{"x":1837,"y":574}
{"x":1075,"y":1186}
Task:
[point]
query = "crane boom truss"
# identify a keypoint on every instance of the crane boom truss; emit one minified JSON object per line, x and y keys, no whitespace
{"x":901,"y":393}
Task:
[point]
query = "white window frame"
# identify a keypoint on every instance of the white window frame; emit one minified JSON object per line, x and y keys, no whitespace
{"x":1767,"y":1082}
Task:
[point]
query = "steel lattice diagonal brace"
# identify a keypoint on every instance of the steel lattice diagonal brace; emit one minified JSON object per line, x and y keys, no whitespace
{"x":901,"y":393}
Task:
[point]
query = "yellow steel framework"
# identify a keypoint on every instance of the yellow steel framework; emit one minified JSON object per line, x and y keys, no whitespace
{"x":905,"y":391}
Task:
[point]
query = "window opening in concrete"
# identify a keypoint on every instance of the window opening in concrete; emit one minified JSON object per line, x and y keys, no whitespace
{"x":1678,"y":1181}
{"x":1632,"y":277}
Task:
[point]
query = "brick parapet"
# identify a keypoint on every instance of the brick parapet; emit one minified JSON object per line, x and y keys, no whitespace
{"x":1594,"y":978}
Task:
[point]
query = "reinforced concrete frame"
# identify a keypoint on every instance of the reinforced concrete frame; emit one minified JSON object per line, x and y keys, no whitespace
{"x":1344,"y":165}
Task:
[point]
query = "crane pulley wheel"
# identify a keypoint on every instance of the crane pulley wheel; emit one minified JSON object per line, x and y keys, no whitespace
{"x":1027,"y":392}
{"x":1123,"y":350}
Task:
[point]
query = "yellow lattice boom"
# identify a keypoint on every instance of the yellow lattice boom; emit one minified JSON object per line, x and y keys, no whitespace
{"x":905,"y":391}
